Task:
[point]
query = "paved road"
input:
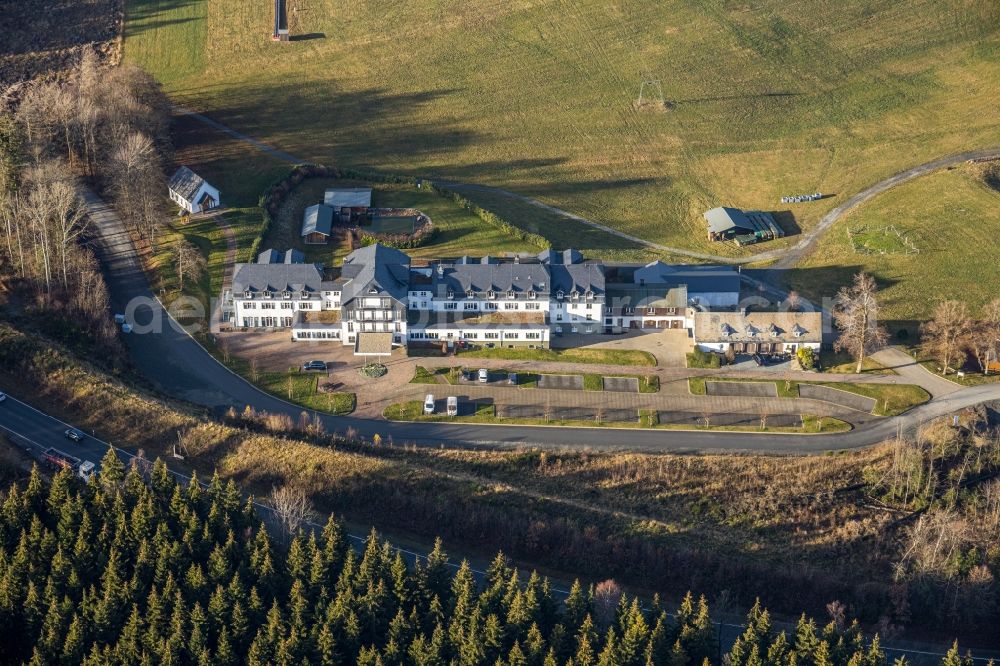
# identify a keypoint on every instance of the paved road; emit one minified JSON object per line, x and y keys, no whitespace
{"x":174,"y":361}
{"x":786,"y":258}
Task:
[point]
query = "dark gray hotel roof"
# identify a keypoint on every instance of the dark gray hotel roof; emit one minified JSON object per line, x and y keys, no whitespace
{"x":481,"y":278}
{"x":581,"y":277}
{"x":278,"y":278}
{"x":378,"y":267}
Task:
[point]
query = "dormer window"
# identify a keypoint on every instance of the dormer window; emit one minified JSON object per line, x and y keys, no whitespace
{"x":590,"y":295}
{"x":470,"y":294}
{"x":492,"y":294}
{"x":560,"y":294}
{"x":531,"y":293}
{"x":373,"y":290}
{"x":510,"y":294}
{"x":267,"y":294}
{"x":650,"y":310}
{"x":287,"y":294}
{"x":451,"y":294}
{"x":575,"y":295}
{"x":248,"y":294}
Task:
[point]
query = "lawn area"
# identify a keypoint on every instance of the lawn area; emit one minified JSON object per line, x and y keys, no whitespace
{"x":841,"y":363}
{"x":891,"y":399}
{"x":949,"y":216}
{"x":422,"y":375}
{"x":209,"y":238}
{"x":703,"y":359}
{"x":540,"y":96}
{"x":586,"y":355}
{"x":302,"y":389}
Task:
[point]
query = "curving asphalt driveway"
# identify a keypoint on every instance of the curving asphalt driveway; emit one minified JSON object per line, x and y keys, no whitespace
{"x":181,"y":367}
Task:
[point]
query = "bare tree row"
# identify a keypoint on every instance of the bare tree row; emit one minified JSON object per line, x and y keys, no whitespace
{"x":952,"y":333}
{"x":109,"y":126}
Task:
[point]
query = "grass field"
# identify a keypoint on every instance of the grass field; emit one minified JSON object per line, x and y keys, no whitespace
{"x":950,"y":216}
{"x":539,"y":95}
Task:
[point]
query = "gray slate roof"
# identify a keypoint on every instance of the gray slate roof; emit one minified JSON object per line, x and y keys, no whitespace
{"x":660,"y":296}
{"x":766,"y":327}
{"x":275,"y":257}
{"x":697,"y":279}
{"x":581,"y":277}
{"x":565,"y":257}
{"x":348,"y":197}
{"x":725,"y":219}
{"x":482,"y":278}
{"x":317,"y":219}
{"x":186,"y":183}
{"x":379,"y":267}
{"x":278,"y":278}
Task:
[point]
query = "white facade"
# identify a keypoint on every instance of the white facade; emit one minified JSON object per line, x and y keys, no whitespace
{"x":205,"y":198}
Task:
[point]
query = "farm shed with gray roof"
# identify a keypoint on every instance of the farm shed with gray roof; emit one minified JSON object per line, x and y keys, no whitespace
{"x":317,"y":224}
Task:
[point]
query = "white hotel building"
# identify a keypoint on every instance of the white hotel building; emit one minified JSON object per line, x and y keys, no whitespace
{"x":377,"y":300}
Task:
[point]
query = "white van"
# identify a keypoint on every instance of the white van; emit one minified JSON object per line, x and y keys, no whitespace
{"x":429,"y":404}
{"x":452,"y":406}
{"x":484,"y":375}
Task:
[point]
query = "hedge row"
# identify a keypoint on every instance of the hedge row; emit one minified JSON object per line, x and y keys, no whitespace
{"x":272,"y":198}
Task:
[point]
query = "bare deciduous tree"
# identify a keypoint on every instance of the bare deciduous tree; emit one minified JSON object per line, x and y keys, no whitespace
{"x":984,"y":336}
{"x":292,"y":508}
{"x":189,"y":262}
{"x":607,"y":595}
{"x":857,"y":315}
{"x":946,"y":334}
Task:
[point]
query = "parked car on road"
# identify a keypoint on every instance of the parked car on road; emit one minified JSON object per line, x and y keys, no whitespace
{"x":314,"y":365}
{"x":484,"y":375}
{"x":429,"y":404}
{"x":74,"y":434}
{"x":452,"y":406}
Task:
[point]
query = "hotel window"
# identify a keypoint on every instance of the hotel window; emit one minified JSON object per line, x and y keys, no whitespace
{"x":533,"y":336}
{"x":489,"y":306}
{"x":532,"y":306}
{"x":451,"y":306}
{"x":471,"y":306}
{"x":510,"y":306}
